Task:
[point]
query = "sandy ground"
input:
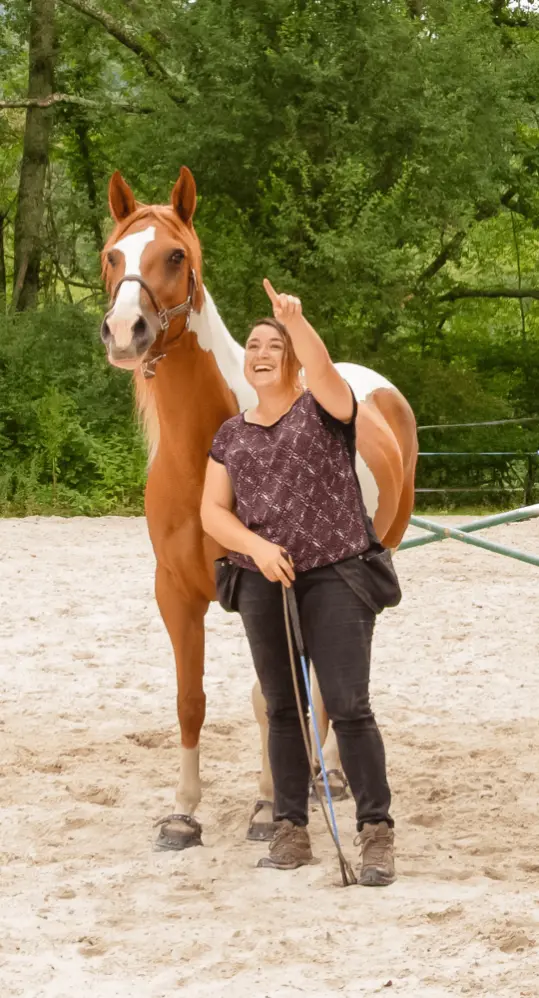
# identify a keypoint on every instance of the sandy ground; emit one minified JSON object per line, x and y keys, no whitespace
{"x":89,"y":752}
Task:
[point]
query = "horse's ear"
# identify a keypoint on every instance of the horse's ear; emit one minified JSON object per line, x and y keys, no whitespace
{"x":184,"y":195}
{"x":121,"y":199}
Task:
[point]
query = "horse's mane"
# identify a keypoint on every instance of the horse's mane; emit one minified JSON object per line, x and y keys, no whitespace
{"x":148,"y":417}
{"x":166,"y":217}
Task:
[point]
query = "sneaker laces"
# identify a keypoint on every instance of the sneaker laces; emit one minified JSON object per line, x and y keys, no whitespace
{"x":289,"y":836}
{"x":375,"y":843}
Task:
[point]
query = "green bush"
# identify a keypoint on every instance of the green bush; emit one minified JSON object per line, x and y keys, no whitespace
{"x":68,"y":441}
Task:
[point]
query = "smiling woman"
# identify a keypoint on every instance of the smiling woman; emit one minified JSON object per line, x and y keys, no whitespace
{"x":282,"y":495}
{"x":269,"y":351}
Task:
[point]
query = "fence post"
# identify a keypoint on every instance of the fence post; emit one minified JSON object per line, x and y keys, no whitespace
{"x":529,"y":483}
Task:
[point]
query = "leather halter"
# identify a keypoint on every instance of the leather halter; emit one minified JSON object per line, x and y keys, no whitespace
{"x":165,"y":316}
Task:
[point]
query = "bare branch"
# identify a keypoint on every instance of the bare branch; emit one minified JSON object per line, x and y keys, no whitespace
{"x":137,"y":7}
{"x":88,"y":287}
{"x":460,"y":292}
{"x":52,"y":99}
{"x":126,"y":37}
{"x":514,"y":19}
{"x":450,"y":250}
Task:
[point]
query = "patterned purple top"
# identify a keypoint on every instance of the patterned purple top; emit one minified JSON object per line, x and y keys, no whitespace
{"x":295,"y":483}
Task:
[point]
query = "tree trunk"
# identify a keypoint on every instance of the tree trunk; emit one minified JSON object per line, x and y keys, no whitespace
{"x":3,"y":282}
{"x":415,"y":7}
{"x":529,"y":482}
{"x":35,"y":156}
{"x":81,"y":131}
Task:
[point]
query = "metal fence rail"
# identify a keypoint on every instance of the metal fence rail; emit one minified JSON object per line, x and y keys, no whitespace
{"x":512,"y":458}
{"x":462,"y":533}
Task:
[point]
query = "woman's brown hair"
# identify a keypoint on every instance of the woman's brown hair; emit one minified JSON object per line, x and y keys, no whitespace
{"x":291,"y":364}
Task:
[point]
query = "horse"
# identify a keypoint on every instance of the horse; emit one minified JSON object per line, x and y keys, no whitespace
{"x":163,"y":326}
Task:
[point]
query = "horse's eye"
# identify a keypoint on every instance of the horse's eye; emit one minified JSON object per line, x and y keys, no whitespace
{"x":177,"y":256}
{"x":111,"y":259}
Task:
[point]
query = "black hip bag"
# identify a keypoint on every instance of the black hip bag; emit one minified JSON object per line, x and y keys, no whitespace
{"x":227,"y":576}
{"x":372,"y":577}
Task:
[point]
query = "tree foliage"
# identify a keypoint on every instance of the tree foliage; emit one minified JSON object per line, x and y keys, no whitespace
{"x":379,"y":159}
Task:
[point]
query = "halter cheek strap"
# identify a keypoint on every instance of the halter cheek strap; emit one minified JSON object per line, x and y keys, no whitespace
{"x":165,"y":316}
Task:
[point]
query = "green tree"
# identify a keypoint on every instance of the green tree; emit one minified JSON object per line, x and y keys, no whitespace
{"x":379,"y":159}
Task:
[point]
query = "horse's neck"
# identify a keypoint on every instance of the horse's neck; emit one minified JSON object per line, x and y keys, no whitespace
{"x":213,"y":336}
{"x":192,"y":401}
{"x":198,"y":386}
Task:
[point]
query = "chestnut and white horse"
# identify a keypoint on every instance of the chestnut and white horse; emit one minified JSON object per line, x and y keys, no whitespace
{"x":188,"y":372}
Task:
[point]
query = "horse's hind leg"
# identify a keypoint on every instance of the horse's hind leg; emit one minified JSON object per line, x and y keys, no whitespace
{"x":184,"y":622}
{"x":328,"y":741}
{"x":261,"y":826}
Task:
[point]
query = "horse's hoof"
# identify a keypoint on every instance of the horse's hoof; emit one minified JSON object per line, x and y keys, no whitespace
{"x":173,"y":837}
{"x":338,"y":785}
{"x":260,"y":831}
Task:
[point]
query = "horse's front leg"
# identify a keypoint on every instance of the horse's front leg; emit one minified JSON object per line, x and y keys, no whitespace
{"x":184,"y":621}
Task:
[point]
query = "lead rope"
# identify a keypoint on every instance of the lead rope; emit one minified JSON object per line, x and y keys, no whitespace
{"x":291,"y":619}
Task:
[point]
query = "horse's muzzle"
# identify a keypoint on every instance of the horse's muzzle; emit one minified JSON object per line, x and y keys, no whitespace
{"x":134,"y":343}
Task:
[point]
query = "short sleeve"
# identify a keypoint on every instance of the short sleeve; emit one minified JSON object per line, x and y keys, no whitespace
{"x":346,"y":431}
{"x":221,"y":441}
{"x":332,"y":421}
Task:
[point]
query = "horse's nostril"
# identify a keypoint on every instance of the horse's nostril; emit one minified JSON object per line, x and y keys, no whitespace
{"x":105,"y":331}
{"x":140,"y":328}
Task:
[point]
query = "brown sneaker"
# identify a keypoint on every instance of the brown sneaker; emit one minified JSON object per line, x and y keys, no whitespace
{"x":377,"y":857}
{"x":289,"y":848}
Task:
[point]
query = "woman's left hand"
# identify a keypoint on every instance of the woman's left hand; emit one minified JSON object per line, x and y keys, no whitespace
{"x":286,"y":308}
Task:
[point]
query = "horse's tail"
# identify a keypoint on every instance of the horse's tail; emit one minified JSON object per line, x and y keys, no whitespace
{"x":398,"y":414}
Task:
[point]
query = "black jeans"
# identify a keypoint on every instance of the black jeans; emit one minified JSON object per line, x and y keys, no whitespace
{"x":337,"y":628}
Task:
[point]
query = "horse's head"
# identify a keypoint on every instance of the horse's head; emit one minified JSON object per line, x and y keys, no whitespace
{"x":152,"y":269}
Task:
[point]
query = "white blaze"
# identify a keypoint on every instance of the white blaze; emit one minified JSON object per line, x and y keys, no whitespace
{"x":127,"y":305}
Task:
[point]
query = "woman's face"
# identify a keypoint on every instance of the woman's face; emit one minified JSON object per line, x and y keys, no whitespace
{"x":264,"y":355}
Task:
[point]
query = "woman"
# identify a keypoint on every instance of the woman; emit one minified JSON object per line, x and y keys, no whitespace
{"x":281,"y":495}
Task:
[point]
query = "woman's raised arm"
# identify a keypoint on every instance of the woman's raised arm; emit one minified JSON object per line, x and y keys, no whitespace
{"x":323,"y":378}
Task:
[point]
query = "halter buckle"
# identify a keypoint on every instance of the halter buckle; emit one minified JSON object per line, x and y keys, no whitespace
{"x":148,"y":367}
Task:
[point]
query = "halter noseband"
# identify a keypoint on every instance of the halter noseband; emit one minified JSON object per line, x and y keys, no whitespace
{"x":165,"y":316}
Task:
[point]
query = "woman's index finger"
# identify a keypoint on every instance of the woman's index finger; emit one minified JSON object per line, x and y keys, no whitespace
{"x":270,"y":290}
